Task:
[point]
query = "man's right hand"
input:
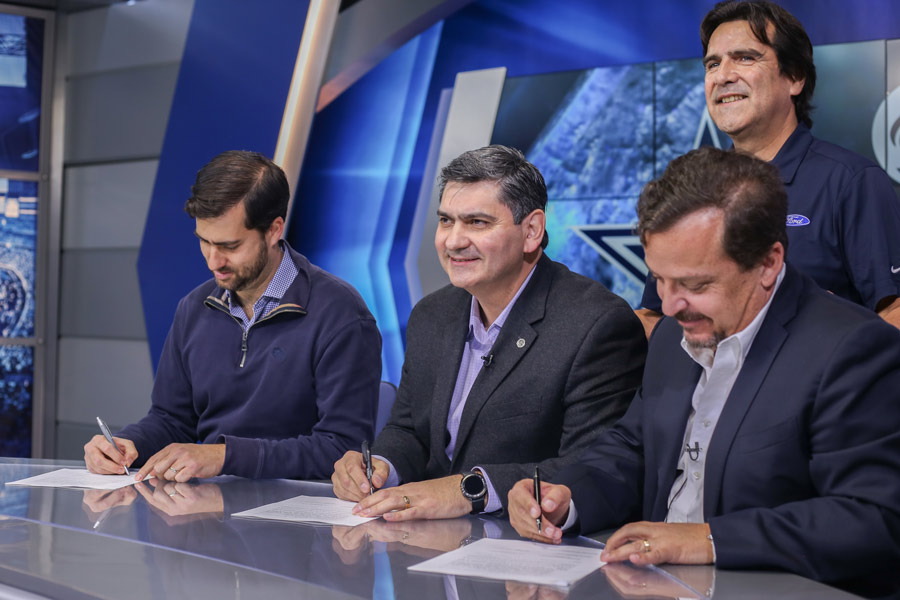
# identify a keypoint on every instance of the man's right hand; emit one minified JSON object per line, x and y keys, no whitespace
{"x":102,"y":457}
{"x":524,"y":510}
{"x":349,"y":478}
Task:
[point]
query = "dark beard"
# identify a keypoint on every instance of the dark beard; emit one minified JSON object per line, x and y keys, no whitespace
{"x":249,"y":274}
{"x":712,"y":342}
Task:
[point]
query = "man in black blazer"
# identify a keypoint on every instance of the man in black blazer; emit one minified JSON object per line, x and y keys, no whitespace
{"x":518,"y":363}
{"x":766,"y":433}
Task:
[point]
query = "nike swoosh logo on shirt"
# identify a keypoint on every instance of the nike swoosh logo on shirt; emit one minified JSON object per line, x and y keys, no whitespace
{"x":895,"y":271}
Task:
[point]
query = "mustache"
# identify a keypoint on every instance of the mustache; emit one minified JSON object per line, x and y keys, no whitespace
{"x":689,"y":316}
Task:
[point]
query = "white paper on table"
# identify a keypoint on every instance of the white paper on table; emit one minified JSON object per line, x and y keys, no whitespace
{"x":517,"y":560}
{"x":308,"y":509}
{"x":77,"y":478}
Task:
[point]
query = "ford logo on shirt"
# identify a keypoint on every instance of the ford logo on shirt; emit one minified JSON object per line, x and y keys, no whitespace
{"x":797,"y":220}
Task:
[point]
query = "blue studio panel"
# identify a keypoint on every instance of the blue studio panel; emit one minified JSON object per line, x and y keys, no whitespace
{"x":351,"y":186}
{"x":230,"y":95}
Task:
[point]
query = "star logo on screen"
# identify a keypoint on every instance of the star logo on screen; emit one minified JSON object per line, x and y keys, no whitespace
{"x":618,"y":245}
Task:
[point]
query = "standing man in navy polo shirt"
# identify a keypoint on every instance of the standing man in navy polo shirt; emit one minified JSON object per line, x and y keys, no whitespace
{"x":844,"y":216}
{"x":273,"y":366}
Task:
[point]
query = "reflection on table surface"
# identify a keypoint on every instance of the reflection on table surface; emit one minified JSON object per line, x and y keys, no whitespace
{"x":171,"y":540}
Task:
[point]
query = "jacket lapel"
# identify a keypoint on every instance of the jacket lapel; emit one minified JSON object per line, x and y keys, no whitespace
{"x":448,"y":359}
{"x":515,"y":339}
{"x":670,"y":417}
{"x":768,"y":341}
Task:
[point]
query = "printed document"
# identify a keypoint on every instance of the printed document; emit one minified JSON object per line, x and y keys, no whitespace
{"x":517,"y":560}
{"x":308,"y":509}
{"x":77,"y":478}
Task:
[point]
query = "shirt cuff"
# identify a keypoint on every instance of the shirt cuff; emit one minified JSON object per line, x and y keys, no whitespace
{"x":573,"y":516}
{"x":493,"y":503}
{"x":393,"y":479}
{"x":492,"y":530}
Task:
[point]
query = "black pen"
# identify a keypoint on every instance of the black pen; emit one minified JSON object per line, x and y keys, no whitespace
{"x":537,"y":494}
{"x":367,"y":458}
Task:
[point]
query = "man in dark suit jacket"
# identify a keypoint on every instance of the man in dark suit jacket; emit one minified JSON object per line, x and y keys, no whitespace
{"x":518,"y":363}
{"x":767,"y":430}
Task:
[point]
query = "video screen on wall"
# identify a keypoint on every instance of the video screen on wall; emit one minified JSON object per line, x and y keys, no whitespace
{"x":21,"y":65}
{"x":599,"y":135}
{"x":18,"y":247}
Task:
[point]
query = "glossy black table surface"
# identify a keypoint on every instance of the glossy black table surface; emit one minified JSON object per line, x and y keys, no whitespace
{"x":179,"y":541}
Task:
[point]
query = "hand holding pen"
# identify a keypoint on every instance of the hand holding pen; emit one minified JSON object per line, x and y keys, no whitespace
{"x":359,"y":475}
{"x":538,"y":509}
{"x":367,"y":459}
{"x":109,"y":438}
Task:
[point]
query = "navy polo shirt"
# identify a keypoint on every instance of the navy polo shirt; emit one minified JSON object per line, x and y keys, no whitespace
{"x":843,"y":221}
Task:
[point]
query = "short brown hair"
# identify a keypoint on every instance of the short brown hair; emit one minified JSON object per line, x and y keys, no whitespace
{"x":748,"y":190}
{"x":240,"y":176}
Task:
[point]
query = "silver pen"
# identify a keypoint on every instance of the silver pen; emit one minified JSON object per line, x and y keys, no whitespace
{"x":109,"y":438}
{"x":102,"y":516}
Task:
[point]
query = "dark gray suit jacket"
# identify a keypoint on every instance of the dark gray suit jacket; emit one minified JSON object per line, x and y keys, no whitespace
{"x":580,"y":361}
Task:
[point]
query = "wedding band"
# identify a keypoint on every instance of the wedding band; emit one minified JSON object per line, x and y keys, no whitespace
{"x":406,"y":501}
{"x":173,"y":494}
{"x":646,"y":544}
{"x":173,"y":469}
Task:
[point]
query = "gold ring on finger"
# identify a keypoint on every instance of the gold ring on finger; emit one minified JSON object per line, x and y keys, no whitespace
{"x":646,"y":544}
{"x":406,"y":502}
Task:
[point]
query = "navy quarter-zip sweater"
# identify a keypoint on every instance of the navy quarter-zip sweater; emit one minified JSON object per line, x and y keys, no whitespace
{"x":307,"y":390}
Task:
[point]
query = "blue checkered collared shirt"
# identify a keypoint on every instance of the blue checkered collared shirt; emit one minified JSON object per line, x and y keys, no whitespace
{"x":270,"y":298}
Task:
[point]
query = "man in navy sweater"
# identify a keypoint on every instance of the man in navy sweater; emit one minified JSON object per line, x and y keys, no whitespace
{"x":273,"y":366}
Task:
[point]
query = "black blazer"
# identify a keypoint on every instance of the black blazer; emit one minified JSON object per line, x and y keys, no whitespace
{"x":565,"y":366}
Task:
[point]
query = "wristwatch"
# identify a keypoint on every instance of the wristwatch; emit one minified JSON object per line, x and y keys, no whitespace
{"x":474,"y":489}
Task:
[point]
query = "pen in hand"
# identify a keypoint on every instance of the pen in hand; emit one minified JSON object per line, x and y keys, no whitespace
{"x":109,"y":438}
{"x":537,"y":495}
{"x":367,"y":459}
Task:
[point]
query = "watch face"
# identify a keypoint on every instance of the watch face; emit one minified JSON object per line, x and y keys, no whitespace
{"x":473,"y":485}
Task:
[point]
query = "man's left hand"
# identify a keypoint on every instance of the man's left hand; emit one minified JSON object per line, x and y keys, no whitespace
{"x":433,"y":499}
{"x":181,"y":462}
{"x":678,"y":543}
{"x":180,"y":499}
